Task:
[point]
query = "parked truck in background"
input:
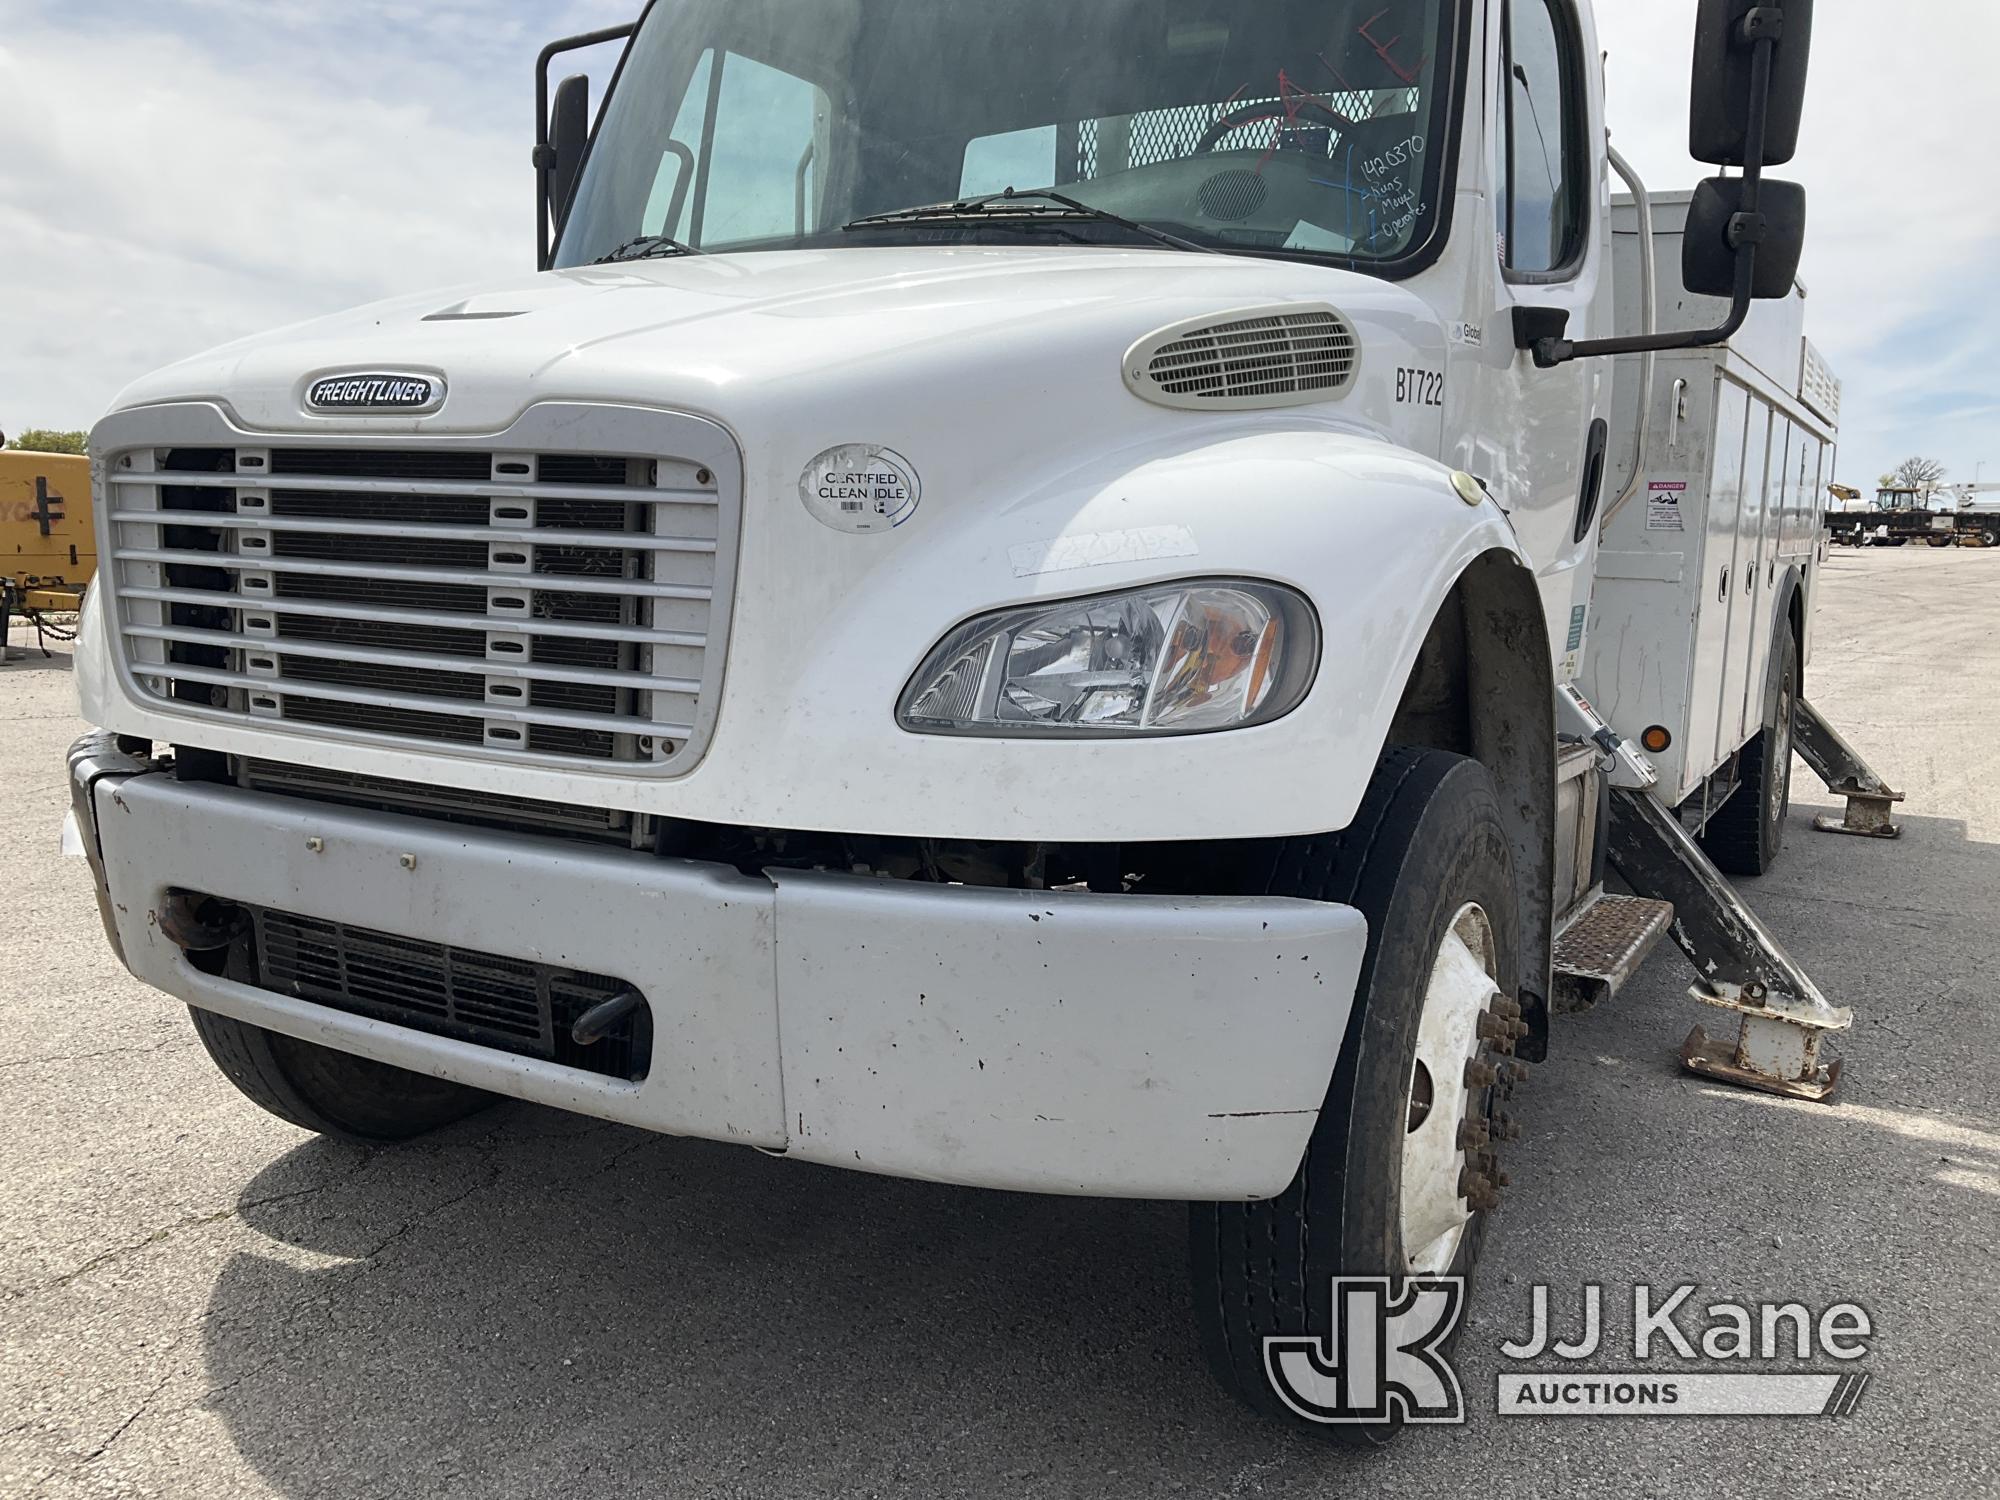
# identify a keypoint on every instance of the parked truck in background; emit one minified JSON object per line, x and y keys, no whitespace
{"x":1125,"y":686}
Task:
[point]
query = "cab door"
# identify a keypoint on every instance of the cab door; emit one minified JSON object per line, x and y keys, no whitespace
{"x":1551,"y":248}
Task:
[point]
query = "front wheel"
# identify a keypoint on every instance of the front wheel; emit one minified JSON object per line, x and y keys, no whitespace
{"x":332,"y":1093}
{"x":1400,"y":1173}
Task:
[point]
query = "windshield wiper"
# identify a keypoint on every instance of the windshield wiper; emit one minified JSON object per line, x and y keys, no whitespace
{"x":992,"y":207}
{"x":646,"y":247}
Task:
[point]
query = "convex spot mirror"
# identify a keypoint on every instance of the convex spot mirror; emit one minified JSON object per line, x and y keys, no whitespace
{"x":1708,"y":258}
{"x":1725,"y":51}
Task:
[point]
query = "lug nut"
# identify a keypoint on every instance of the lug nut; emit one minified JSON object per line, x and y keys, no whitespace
{"x":1510,"y":1009}
{"x":1477,"y":1191}
{"x":1473,"y":1135}
{"x":1492,"y":1028}
{"x":1502,"y":1179}
{"x":1506,"y":1128}
{"x":1516,"y":1073}
{"x":1479,"y":1075}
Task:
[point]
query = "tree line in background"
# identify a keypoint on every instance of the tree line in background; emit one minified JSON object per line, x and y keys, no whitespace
{"x":1915,"y":474}
{"x":45,"y":440}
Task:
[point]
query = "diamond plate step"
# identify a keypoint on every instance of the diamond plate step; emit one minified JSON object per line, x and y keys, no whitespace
{"x":1604,"y":947}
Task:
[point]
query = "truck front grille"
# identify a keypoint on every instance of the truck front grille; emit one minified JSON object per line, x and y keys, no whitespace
{"x":533,"y":605}
{"x":508,"y":1004}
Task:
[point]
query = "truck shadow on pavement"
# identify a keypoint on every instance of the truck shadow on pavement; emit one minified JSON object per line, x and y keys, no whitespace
{"x":530,"y":1303}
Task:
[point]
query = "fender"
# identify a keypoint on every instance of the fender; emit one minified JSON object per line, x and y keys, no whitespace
{"x":1788,"y":599}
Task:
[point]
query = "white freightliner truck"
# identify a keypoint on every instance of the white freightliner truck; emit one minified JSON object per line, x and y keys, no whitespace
{"x":1083,"y":690}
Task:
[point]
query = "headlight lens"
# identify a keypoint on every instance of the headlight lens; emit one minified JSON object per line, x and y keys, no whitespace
{"x":1181,"y":659}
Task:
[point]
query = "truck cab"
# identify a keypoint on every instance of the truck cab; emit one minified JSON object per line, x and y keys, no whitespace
{"x":1004,"y":608}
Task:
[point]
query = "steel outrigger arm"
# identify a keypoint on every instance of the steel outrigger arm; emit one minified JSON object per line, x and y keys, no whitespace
{"x":1846,"y":774}
{"x":1781,"y":1013}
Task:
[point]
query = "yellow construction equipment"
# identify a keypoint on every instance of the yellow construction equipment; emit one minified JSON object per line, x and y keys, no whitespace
{"x":48,"y":548}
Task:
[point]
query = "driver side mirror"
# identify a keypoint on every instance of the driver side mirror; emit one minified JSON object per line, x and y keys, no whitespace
{"x":1726,"y":65}
{"x":1750,"y":64}
{"x":569,"y":134}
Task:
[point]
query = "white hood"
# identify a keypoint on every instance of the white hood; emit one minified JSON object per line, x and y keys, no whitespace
{"x":733,"y":337}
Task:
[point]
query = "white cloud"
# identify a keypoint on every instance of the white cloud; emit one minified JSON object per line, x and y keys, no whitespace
{"x":164,"y":191}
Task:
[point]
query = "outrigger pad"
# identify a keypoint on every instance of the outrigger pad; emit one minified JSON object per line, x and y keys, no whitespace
{"x":1846,"y":774}
{"x":1868,"y":816}
{"x":1716,"y":1058}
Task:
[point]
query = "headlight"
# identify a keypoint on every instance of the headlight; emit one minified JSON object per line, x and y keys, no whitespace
{"x":1180,"y":659}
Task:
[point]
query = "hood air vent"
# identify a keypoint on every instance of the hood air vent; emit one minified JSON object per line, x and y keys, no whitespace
{"x":1280,"y":356}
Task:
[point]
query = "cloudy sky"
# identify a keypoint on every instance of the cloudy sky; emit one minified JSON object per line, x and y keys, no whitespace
{"x":176,"y":173}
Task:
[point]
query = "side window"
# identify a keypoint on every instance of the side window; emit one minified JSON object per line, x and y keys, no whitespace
{"x":744,"y":162}
{"x":1545,"y":194}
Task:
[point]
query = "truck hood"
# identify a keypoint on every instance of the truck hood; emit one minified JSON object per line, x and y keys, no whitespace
{"x":736,"y":337}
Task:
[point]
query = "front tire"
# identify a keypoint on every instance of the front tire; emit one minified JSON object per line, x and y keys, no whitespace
{"x":328,"y":1092}
{"x":1399,"y":1175}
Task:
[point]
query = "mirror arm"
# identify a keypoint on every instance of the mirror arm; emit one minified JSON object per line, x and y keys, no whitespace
{"x":1761,"y":29}
{"x":544,"y":156}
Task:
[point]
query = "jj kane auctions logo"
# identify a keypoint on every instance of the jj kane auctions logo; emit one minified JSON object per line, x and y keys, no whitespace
{"x":1385,"y":1358}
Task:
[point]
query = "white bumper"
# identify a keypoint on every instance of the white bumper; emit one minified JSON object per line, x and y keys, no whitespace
{"x":1115,"y":1045}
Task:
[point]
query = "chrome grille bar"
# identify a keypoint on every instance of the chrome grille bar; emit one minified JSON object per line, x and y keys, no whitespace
{"x":622,"y":541}
{"x":443,"y":620}
{"x":616,"y":723}
{"x":474,"y":665}
{"x":374,"y":588}
{"x":541,"y":583}
{"x":472,"y":489}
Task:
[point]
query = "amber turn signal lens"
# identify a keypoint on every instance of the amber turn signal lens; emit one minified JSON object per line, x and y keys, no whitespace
{"x":1656,"y":739}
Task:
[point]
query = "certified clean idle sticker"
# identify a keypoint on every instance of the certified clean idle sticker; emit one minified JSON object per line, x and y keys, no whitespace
{"x":860,"y":487}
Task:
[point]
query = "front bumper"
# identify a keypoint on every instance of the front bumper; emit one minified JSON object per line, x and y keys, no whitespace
{"x":1116,"y":1045}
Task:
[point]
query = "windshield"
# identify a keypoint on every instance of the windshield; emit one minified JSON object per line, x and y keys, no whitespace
{"x":1296,"y":127}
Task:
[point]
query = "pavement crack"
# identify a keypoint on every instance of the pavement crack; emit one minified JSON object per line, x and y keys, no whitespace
{"x":170,"y":1044}
{"x":145,"y":1405}
{"x":168,"y":1231}
{"x":488,"y":1179}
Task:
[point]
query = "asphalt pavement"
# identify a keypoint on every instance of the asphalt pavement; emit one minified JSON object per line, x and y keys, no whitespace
{"x":198,"y":1300}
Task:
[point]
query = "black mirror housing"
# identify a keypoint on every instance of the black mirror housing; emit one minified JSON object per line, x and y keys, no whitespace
{"x":1713,"y":234}
{"x":1724,"y":49}
{"x":569,"y":134}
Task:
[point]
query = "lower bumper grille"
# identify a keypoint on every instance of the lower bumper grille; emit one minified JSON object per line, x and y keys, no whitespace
{"x":508,"y":1004}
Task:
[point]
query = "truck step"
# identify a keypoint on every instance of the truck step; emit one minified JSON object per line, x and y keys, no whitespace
{"x":1604,"y":947}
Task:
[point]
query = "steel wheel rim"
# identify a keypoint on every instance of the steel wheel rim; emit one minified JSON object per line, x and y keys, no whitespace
{"x":1461,"y":986}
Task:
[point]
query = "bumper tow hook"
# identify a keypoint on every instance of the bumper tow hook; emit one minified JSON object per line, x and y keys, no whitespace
{"x":593,"y":1025}
{"x":201,"y":924}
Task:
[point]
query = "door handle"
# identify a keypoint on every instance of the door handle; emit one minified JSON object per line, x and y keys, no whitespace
{"x":1722,"y":589}
{"x":1593,"y":478}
